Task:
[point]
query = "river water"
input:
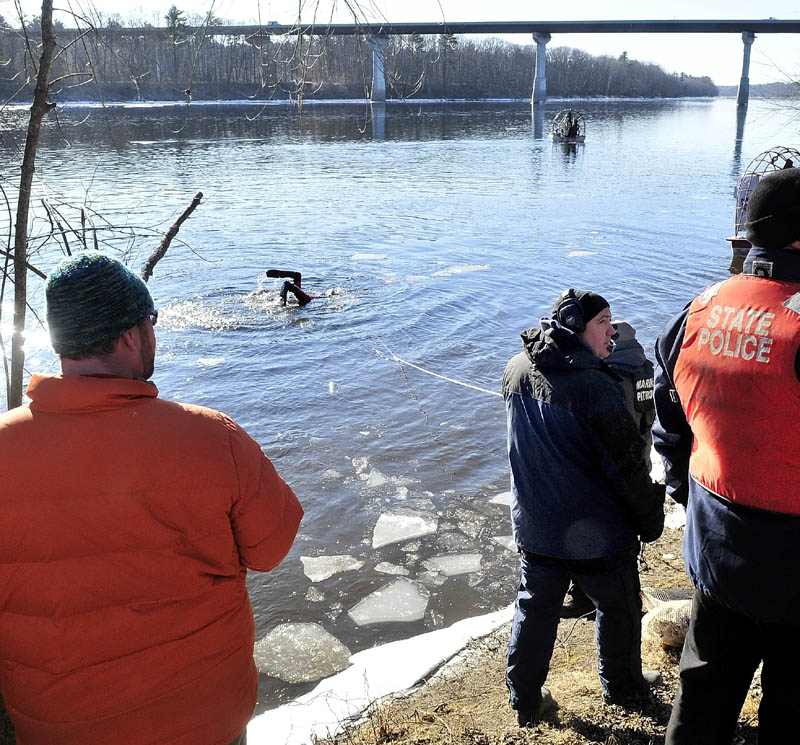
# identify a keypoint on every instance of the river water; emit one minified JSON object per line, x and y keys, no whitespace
{"x":438,"y":236}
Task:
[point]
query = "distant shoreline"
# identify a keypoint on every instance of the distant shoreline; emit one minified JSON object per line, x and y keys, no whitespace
{"x":285,"y":102}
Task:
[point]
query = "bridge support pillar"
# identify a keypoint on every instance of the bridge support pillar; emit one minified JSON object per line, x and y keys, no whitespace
{"x":378,"y":43}
{"x":743,"y":93}
{"x":540,"y":78}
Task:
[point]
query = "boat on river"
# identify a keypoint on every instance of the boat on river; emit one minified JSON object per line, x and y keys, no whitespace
{"x":569,"y":127}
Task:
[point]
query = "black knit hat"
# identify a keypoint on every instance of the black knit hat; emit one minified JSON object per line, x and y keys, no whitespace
{"x":590,"y":302}
{"x":773,"y":210}
{"x":92,"y":298}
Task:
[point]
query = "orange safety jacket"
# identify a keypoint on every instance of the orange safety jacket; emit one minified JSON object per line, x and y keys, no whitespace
{"x":735,"y":376}
{"x":128,"y":524}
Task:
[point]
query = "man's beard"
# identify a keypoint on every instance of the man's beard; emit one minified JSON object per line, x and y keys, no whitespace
{"x":148,"y":357}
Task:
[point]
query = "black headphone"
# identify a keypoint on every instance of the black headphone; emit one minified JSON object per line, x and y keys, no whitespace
{"x":569,"y":312}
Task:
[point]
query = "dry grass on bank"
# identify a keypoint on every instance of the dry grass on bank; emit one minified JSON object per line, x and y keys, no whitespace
{"x":466,"y":703}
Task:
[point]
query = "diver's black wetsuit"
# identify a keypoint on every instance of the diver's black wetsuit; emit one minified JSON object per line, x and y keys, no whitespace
{"x":293,"y":286}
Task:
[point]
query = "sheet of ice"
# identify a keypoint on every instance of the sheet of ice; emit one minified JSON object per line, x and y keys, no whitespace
{"x":300,"y":653}
{"x":454,"y":564}
{"x":368,"y":257}
{"x":317,"y":568}
{"x":579,"y":253}
{"x":360,"y":464}
{"x":372,"y":675}
{"x":657,"y":470}
{"x":504,"y":497}
{"x":506,"y":541}
{"x":331,"y":474}
{"x":376,"y":478}
{"x":315,"y":595}
{"x":471,"y":524}
{"x":401,"y":600}
{"x":676,"y":517}
{"x":386,"y":568}
{"x":461,"y":269}
{"x":393,"y":527}
{"x":431,"y":578}
{"x":210,"y":361}
{"x":454,"y":542}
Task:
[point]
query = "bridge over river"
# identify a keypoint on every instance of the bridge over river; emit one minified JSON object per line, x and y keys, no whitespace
{"x":542,"y":31}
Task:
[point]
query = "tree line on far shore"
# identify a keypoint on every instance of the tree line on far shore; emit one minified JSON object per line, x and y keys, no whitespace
{"x":115,"y":62}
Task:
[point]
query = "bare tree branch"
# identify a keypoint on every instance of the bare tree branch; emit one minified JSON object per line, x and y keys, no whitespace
{"x":41,"y":105}
{"x":158,"y":254}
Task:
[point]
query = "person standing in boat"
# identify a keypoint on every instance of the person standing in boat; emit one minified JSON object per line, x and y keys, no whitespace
{"x":573,"y":128}
{"x":727,"y":396}
{"x":581,"y":500}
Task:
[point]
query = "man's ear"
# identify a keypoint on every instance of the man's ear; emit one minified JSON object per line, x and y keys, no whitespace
{"x":129,"y":339}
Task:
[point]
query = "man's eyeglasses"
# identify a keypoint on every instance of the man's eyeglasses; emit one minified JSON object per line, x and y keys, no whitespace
{"x":153,"y":317}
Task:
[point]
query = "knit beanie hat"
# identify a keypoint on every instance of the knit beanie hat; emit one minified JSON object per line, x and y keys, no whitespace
{"x":92,"y":298}
{"x":773,"y":210}
{"x":591,"y":304}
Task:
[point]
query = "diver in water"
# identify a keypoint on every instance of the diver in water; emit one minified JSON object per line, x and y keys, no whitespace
{"x":293,"y":286}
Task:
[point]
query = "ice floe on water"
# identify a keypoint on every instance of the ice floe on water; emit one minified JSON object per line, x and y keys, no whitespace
{"x":400,"y":601}
{"x":376,"y":478}
{"x":504,"y":497}
{"x":579,"y":253}
{"x":300,"y":653}
{"x":318,"y":568}
{"x":462,"y":269}
{"x":386,"y":568}
{"x":453,"y":564}
{"x":210,"y":361}
{"x":393,"y":527}
{"x":369,"y":257}
{"x":371,"y":675}
{"x":506,"y":541}
{"x":360,"y":463}
{"x":315,"y":595}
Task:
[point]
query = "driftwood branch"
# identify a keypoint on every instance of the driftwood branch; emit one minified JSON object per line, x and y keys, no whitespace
{"x":158,"y":254}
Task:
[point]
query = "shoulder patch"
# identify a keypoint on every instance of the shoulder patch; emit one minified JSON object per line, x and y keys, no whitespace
{"x":711,"y":291}
{"x":793,"y":303}
{"x":762,"y":268}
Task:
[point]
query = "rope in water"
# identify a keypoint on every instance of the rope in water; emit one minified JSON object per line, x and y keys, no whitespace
{"x":443,"y":377}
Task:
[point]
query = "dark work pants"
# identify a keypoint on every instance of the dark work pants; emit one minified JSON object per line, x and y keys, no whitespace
{"x":720,"y":656}
{"x":613,"y":586}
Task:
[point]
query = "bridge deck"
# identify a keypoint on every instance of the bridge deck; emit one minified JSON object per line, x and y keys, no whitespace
{"x":764,"y":26}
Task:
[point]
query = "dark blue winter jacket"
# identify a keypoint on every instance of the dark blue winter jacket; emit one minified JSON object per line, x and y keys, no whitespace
{"x":746,"y":559}
{"x":580,"y":488}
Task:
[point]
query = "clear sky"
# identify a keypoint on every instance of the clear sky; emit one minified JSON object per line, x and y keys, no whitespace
{"x":774,"y":56}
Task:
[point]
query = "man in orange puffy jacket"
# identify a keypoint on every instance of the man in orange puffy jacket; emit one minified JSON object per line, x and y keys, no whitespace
{"x":129,"y":523}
